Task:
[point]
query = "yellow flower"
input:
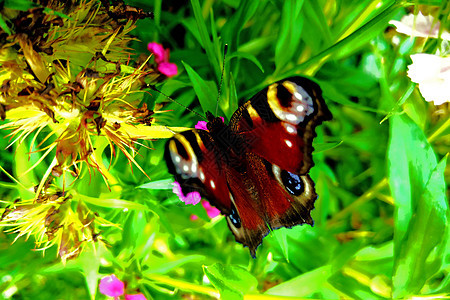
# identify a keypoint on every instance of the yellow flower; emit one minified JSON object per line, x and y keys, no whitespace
{"x":55,"y":218}
{"x":67,"y":86}
{"x":72,"y":78}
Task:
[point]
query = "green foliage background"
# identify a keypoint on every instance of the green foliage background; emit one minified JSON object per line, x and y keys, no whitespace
{"x":381,"y":220}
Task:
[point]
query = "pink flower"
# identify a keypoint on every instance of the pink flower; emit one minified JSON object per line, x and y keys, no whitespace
{"x":202,"y":124}
{"x":158,"y":51}
{"x":111,"y":286}
{"x":135,"y":297}
{"x":210,"y":210}
{"x":162,"y":59}
{"x":191,"y":198}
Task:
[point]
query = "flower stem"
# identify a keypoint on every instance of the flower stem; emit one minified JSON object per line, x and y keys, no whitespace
{"x":438,"y":131}
{"x":368,"y":195}
{"x":187,"y":286}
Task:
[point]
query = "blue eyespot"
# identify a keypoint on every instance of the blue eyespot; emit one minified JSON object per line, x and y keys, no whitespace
{"x":292,"y":183}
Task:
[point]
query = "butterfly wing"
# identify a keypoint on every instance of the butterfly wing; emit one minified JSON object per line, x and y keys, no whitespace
{"x":278,"y":122}
{"x":285,"y":198}
{"x":278,"y":126}
{"x":197,"y":163}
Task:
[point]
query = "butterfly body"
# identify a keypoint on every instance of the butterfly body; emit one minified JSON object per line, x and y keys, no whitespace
{"x":255,"y":170}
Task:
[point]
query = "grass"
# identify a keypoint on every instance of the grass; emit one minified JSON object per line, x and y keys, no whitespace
{"x":381,"y":220}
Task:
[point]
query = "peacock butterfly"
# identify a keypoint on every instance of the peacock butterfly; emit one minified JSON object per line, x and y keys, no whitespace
{"x":255,"y":170}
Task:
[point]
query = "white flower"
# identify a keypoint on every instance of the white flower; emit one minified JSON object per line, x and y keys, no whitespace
{"x":420,"y":25}
{"x":432,"y":73}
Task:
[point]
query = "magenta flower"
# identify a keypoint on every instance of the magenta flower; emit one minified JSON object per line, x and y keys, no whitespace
{"x":111,"y":286}
{"x":210,"y":210}
{"x":162,"y":59}
{"x":191,"y":198}
{"x":135,"y":297}
{"x":202,"y":124}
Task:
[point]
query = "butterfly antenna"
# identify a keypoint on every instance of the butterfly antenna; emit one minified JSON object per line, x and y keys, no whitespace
{"x":177,"y":102}
{"x":225,"y":50}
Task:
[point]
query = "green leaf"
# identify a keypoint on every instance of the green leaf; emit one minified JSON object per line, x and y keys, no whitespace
{"x":303,"y":285}
{"x":230,"y":106}
{"x":322,"y":147}
{"x":57,"y":13}
{"x":247,"y":56}
{"x":4,"y":26}
{"x":19,"y":4}
{"x":231,"y":281}
{"x":290,"y":32}
{"x":411,"y":160}
{"x":352,"y":42}
{"x":420,"y":206}
{"x":158,"y":265}
{"x":89,"y":262}
{"x":281,"y":237}
{"x":205,"y":38}
{"x":112,"y":203}
{"x":423,"y":249}
{"x":165,"y":184}
{"x":233,"y":27}
{"x":205,"y":90}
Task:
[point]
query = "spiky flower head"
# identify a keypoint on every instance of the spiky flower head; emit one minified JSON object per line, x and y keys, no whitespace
{"x":71,"y":75}
{"x":57,"y":218}
{"x":68,"y":85}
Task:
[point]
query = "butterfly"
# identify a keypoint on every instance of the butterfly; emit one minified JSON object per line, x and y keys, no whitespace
{"x":255,"y":169}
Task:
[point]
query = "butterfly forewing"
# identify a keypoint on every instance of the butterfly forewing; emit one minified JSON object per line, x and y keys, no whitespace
{"x":279,"y":122}
{"x":193,"y":158}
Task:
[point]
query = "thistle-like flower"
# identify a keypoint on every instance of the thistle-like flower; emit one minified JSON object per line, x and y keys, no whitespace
{"x":68,"y":86}
{"x":55,"y":218}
